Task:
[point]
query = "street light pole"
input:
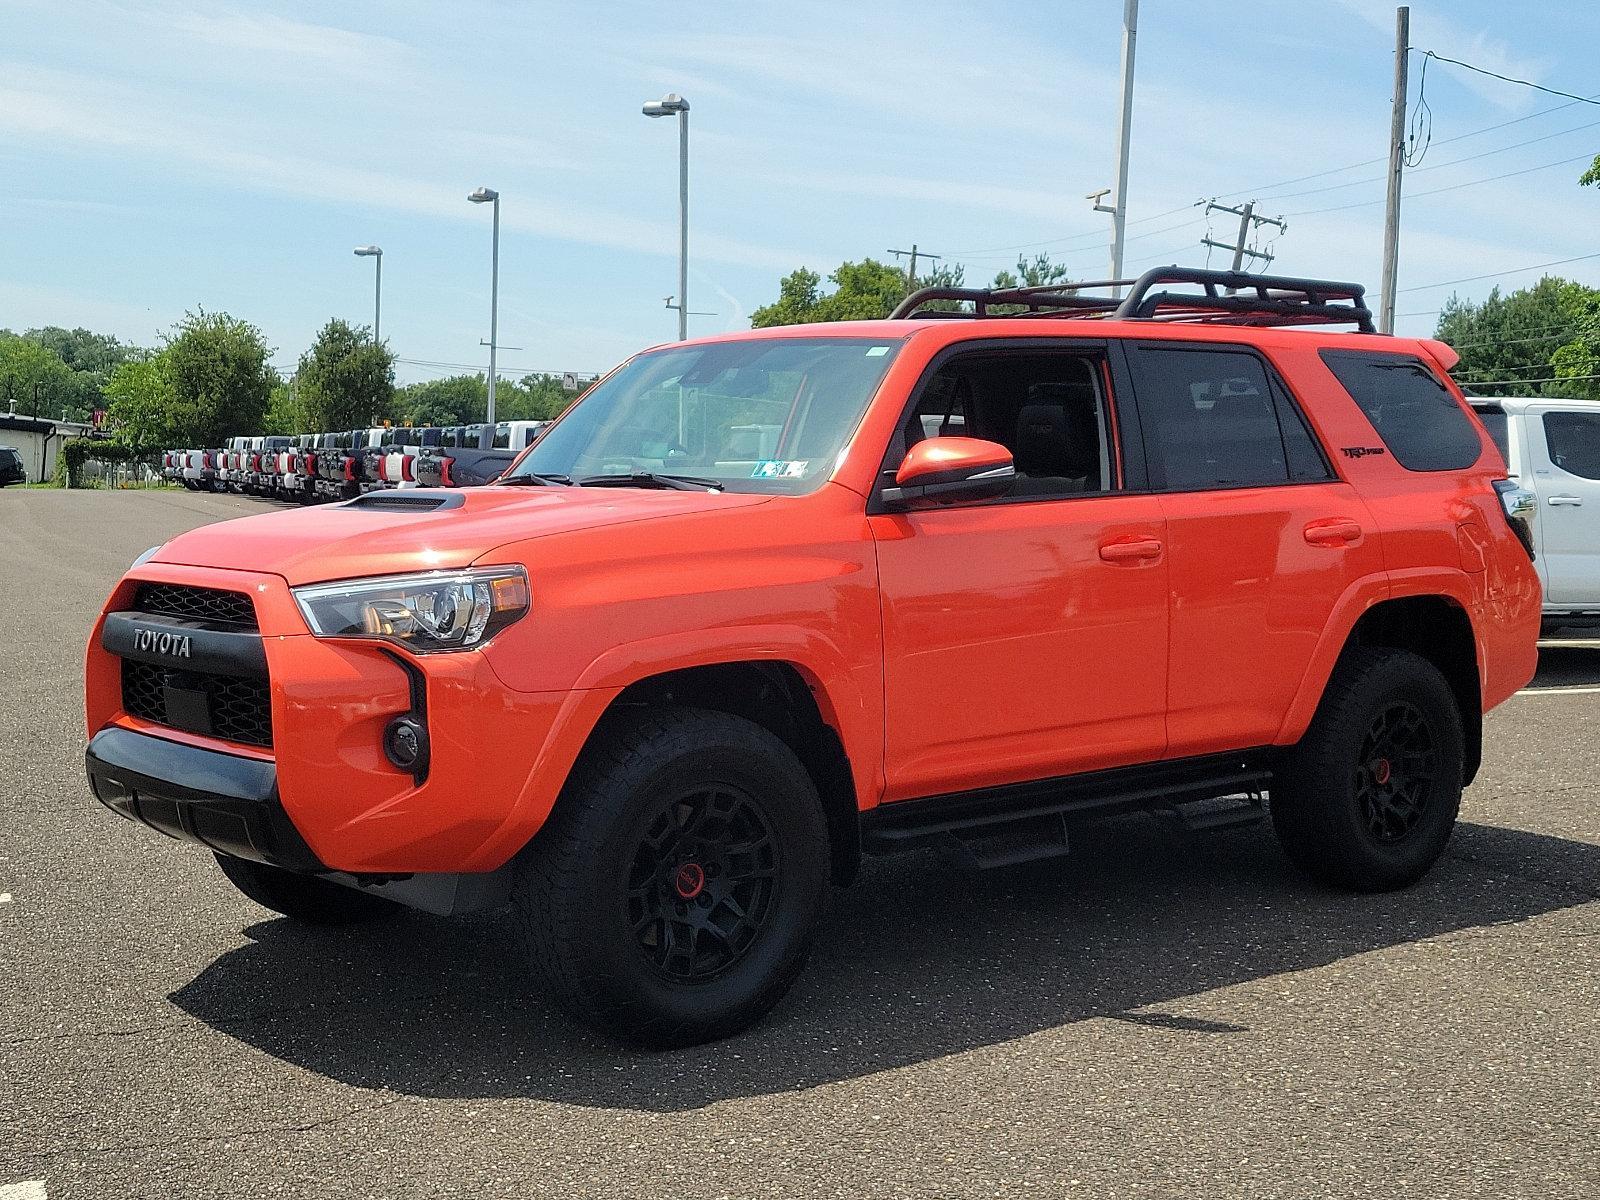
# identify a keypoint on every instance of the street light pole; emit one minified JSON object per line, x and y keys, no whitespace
{"x":1119,"y":215}
{"x":487,"y":196}
{"x":375,"y":253}
{"x":669,"y":105}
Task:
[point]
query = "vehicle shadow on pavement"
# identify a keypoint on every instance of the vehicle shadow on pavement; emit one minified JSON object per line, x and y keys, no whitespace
{"x":917,"y":961}
{"x":1567,"y":666}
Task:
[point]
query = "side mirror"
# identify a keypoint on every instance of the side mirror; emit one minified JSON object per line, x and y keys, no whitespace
{"x":951,"y":470}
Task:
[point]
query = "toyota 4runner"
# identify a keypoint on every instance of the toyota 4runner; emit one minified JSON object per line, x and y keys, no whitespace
{"x":760,"y":603}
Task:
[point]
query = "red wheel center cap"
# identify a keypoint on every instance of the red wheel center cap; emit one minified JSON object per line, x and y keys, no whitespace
{"x":690,"y":880}
{"x":1381,"y":771}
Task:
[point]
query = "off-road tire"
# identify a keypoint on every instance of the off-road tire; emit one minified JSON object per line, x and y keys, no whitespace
{"x":1323,"y":805}
{"x":579,"y":919}
{"x":303,"y":898}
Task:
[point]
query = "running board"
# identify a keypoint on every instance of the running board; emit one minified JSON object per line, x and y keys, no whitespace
{"x":1024,"y":821}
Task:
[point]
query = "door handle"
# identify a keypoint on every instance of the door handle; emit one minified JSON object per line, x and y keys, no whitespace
{"x":1131,"y":550}
{"x":1566,"y":501}
{"x":1335,"y":532}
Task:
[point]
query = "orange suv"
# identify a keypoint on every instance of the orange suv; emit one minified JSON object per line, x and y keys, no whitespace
{"x":761,"y":603}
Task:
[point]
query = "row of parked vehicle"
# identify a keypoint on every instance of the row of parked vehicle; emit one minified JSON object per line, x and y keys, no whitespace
{"x":308,"y":467}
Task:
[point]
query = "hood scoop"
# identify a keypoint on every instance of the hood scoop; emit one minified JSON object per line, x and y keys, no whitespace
{"x":404,"y":502}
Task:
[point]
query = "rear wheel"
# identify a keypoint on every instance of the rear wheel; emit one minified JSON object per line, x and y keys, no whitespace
{"x":302,"y":897}
{"x":1370,"y":795}
{"x":672,"y":897}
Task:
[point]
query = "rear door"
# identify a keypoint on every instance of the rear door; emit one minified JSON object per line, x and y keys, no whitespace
{"x":1565,"y":442}
{"x":1262,"y":536}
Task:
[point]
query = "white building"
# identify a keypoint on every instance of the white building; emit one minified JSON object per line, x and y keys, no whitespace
{"x":37,"y":440}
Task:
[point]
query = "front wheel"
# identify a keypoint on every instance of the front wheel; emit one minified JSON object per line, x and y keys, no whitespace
{"x":303,"y":898}
{"x":672,"y":897}
{"x":1369,"y":797}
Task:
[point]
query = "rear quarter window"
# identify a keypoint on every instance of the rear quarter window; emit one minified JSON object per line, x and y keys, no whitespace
{"x":1413,"y":412}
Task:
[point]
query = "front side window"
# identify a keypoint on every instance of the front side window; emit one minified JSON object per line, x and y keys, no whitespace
{"x":753,"y":415}
{"x":1412,"y":411}
{"x":1574,"y":441}
{"x":1213,"y":419}
{"x":1047,"y":407}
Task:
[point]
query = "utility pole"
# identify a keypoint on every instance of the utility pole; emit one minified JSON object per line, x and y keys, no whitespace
{"x":1397,"y":158}
{"x":1119,"y":214}
{"x":911,"y":271}
{"x":1249,"y":222}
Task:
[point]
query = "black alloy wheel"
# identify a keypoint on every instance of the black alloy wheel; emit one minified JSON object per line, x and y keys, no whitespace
{"x":703,"y":882}
{"x":1397,"y":772}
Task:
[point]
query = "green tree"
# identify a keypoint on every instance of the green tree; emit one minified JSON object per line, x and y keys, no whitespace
{"x":143,"y":405}
{"x":456,"y":400}
{"x":219,"y":370}
{"x":538,"y":398}
{"x":865,"y":291}
{"x":1577,"y":360}
{"x":1038,"y":271}
{"x":1519,"y":336}
{"x":35,"y":378}
{"x":346,"y":380}
{"x":284,"y":413}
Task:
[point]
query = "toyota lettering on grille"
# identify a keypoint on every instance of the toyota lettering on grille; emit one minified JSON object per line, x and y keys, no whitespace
{"x":159,"y":641}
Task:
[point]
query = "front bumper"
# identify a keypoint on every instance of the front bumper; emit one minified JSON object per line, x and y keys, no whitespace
{"x":499,"y":756}
{"x":222,"y":801}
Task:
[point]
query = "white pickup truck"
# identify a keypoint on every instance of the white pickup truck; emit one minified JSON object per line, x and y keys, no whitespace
{"x":1552,"y":448}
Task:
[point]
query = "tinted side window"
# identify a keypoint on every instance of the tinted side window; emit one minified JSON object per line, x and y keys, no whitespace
{"x":1413,"y":412}
{"x":1574,"y":440}
{"x":1046,"y":407}
{"x":1495,"y":421}
{"x":1211,"y":419}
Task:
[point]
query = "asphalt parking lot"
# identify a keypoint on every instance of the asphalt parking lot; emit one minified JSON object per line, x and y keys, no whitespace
{"x":1158,"y":1015}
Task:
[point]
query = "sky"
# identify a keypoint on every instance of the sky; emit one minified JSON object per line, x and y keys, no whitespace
{"x":157,"y":156}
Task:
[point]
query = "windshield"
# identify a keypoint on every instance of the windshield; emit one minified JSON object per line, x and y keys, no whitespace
{"x":767,"y":415}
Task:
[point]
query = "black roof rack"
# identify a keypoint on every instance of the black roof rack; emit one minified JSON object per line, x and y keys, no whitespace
{"x":1222,"y":298}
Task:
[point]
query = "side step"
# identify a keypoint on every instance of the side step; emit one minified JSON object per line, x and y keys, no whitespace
{"x":1021,"y":822}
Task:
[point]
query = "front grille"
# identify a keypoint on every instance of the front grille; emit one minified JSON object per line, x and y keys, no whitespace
{"x":223,"y":706}
{"x":196,"y":604}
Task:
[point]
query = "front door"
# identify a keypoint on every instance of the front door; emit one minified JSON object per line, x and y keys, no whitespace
{"x":1566,"y":468}
{"x":1024,"y":638}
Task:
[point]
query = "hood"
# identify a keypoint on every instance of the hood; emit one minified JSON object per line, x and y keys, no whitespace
{"x":364,"y":537}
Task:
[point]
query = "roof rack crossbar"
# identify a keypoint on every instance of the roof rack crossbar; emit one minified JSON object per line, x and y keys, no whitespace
{"x":1225,"y":297}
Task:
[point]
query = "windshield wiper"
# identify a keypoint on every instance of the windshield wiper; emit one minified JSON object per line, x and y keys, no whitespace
{"x":537,"y":479}
{"x":680,"y":483}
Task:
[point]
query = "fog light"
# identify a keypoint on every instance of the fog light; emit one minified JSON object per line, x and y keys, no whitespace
{"x":405,"y":744}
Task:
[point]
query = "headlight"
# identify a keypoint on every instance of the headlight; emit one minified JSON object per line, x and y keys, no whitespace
{"x":147,"y":556}
{"x":441,"y":610}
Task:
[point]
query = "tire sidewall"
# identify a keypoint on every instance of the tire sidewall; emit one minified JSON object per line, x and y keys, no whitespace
{"x":1402,"y":679}
{"x":612,"y":965}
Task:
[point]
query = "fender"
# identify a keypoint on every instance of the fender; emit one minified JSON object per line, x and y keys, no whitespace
{"x":1353,"y":604}
{"x":854,"y":713}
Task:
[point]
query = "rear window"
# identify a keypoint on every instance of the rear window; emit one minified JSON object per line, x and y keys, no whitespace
{"x":1413,"y":412}
{"x":1214,"y":420}
{"x":9,"y":457}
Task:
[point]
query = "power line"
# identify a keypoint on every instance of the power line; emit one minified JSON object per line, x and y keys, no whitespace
{"x":1076,"y":237}
{"x":1538,"y":87}
{"x":1528,"y":382}
{"x":1311,"y":212}
{"x":1333,"y":187}
{"x":1558,"y":262}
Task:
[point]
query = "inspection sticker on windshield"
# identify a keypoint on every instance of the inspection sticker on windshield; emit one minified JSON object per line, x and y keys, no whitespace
{"x":777,"y":468}
{"x":877,"y":351}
